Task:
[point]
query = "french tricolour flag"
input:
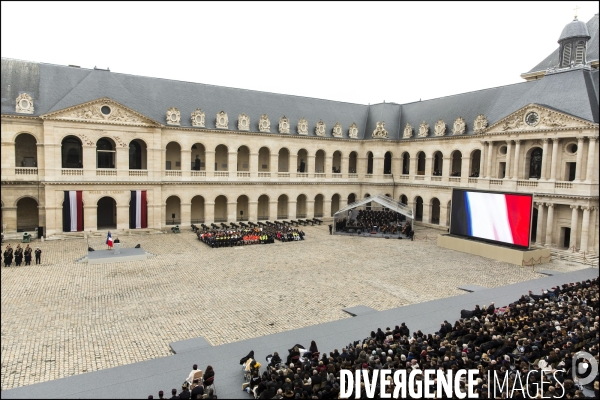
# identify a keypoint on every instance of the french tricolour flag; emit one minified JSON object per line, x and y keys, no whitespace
{"x":109,"y":240}
{"x":73,"y":211}
{"x":138,"y":210}
{"x":500,"y":217}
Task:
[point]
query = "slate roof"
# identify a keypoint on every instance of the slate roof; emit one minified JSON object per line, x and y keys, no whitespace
{"x":575,"y":28}
{"x":592,"y":47}
{"x":55,"y":87}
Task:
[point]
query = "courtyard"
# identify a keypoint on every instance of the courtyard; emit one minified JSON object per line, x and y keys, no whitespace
{"x":65,"y":317}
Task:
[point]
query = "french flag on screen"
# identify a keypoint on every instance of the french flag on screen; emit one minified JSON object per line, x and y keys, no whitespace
{"x":498,"y":217}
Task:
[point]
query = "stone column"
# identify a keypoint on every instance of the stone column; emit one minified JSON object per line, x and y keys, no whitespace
{"x":508,"y":159}
{"x":122,"y":161}
{"x":310,"y":164}
{"x":579,"y":165}
{"x":186,"y":213}
{"x":574,"y":223}
{"x":327,"y":207}
{"x":585,"y":229}
{"x":465,"y":170}
{"x":554,"y":162}
{"x":232,"y":211}
{"x":122,"y":217}
{"x":589,"y":174}
{"x":253,"y":165}
{"x":273,"y":209}
{"x":488,"y":160}
{"x":412,"y":165}
{"x":549,"y":224}
{"x":274,"y":163}
{"x":428,"y":167}
{"x":232,"y":163}
{"x":310,"y":208}
{"x":41,"y":161}
{"x":544,"y":167}
{"x":443,"y":215}
{"x":9,"y":218}
{"x":293,"y":166}
{"x":186,"y":163}
{"x":328,"y":165}
{"x":540,"y":225}
{"x":89,"y":161}
{"x":344,"y":165}
{"x":446,"y":168}
{"x":426,"y":213}
{"x":90,"y":213}
{"x":209,"y":165}
{"x":482,"y":159}
{"x":396,"y":167}
{"x":377,"y":164}
{"x":515,"y":174}
{"x":209,"y":210}
{"x":291,"y":209}
{"x":592,"y":239}
{"x":252,"y":211}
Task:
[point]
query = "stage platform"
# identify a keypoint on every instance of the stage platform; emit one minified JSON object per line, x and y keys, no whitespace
{"x":376,"y":235}
{"x":520,"y":257}
{"x":109,"y":256}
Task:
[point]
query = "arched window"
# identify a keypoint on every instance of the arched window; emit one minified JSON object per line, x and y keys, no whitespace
{"x":580,"y":52}
{"x":566,"y":59}
{"x":25,"y":151}
{"x":105,"y":153}
{"x":71,"y":150}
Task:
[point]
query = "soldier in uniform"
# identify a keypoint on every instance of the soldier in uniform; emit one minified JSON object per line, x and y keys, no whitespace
{"x":8,"y":256}
{"x":38,"y":255}
{"x":18,"y":255}
{"x":28,"y":252}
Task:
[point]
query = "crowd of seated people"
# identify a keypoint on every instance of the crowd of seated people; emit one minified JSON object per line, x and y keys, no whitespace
{"x":198,"y":385}
{"x":534,"y":337}
{"x":247,"y":236}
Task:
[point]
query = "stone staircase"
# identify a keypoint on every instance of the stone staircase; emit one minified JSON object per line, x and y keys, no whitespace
{"x":590,"y":259}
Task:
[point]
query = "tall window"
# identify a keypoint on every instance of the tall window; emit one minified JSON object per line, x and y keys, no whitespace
{"x":579,"y":52}
{"x":135,"y":156}
{"x":566,"y":61}
{"x":105,"y":154}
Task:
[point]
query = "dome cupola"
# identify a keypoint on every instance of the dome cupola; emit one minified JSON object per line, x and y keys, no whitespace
{"x":573,"y":44}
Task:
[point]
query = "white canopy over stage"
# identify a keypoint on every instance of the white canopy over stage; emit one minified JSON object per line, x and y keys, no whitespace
{"x":382,"y":200}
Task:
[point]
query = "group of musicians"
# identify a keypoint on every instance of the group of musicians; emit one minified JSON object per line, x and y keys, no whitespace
{"x":376,"y":221}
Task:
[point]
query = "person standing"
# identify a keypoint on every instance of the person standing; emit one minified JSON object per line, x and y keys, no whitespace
{"x":18,"y":255}
{"x":38,"y":255}
{"x":28,"y":252}
{"x":8,"y":256}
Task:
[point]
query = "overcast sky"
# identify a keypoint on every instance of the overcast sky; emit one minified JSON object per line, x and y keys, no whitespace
{"x":353,"y":52}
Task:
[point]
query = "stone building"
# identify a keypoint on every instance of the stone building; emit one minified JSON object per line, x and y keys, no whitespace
{"x":81,"y":145}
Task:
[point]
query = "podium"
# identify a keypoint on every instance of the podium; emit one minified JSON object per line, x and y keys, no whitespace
{"x":117,"y":247}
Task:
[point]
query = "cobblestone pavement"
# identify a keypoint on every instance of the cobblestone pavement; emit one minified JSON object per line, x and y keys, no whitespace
{"x":63,"y":317}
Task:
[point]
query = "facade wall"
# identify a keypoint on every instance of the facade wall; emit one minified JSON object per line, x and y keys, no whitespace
{"x":194,"y":195}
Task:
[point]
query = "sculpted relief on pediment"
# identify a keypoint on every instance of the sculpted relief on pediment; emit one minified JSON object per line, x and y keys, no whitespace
{"x":535,"y":118}
{"x":102,"y":111}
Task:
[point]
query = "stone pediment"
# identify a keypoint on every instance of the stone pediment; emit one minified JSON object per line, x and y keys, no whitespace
{"x":537,"y":118}
{"x":103,"y":110}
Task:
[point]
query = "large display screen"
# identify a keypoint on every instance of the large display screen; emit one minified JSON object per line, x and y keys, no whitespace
{"x":499,"y":217}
